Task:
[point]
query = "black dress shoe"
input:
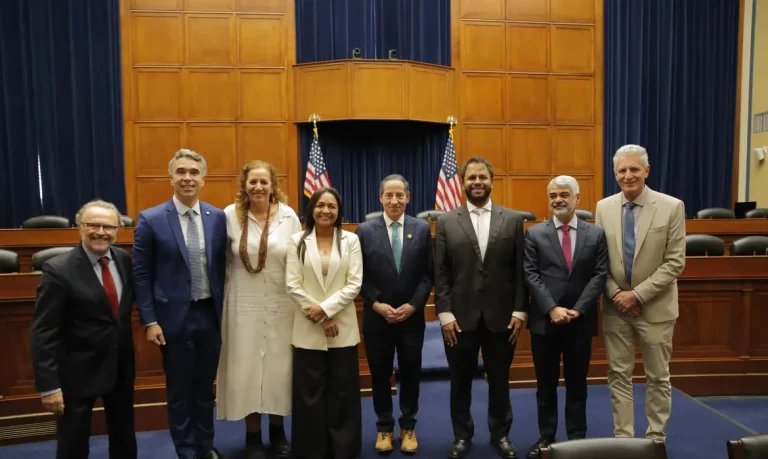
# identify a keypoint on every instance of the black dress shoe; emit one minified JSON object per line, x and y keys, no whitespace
{"x":504,"y":448}
{"x":212,"y":454}
{"x":278,"y":443}
{"x":459,"y":449}
{"x":542,"y":442}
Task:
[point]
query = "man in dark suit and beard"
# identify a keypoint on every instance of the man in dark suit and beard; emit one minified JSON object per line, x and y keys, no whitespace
{"x":566,"y":265}
{"x":481,"y":302}
{"x":81,"y":340}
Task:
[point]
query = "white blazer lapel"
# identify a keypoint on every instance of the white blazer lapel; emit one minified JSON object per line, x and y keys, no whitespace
{"x":333,"y":264}
{"x":314,"y":257}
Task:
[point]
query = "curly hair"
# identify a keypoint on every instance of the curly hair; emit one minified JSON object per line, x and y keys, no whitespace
{"x":242,"y":204}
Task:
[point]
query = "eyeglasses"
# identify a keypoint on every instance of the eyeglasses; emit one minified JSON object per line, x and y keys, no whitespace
{"x":97,"y":226}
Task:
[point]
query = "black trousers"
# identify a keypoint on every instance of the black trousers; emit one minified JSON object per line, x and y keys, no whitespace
{"x":380,"y":349}
{"x":190,"y":360}
{"x":462,"y":360}
{"x":574,"y":342}
{"x":327,"y":417}
{"x":74,"y":426}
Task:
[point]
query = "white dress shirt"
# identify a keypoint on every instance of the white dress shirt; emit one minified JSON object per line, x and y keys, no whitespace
{"x":184,"y":221}
{"x":482,"y":225}
{"x":389,"y":222}
{"x":573,"y":224}
{"x":94,"y":259}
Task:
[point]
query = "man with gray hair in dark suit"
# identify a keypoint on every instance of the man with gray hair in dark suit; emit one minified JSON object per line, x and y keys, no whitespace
{"x":566,"y":265}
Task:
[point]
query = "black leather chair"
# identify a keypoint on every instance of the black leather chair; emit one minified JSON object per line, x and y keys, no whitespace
{"x":430,"y":215}
{"x":703,"y":245}
{"x":127,"y":221}
{"x":606,"y":448}
{"x":46,"y":221}
{"x":374,"y":215}
{"x":528,"y":216}
{"x":715,"y":212}
{"x":752,"y":447}
{"x":39,"y":258}
{"x":9,"y":262}
{"x":750,"y":245}
{"x":585,"y":215}
{"x":757,"y":213}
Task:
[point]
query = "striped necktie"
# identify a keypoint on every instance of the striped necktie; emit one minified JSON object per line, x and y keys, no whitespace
{"x":195,"y":256}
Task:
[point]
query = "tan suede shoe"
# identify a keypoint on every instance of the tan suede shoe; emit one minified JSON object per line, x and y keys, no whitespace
{"x":384,"y":442}
{"x":408,"y":442}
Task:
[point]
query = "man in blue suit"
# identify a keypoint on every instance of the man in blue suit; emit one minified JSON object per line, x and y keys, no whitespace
{"x":397,"y":281}
{"x":178,"y":265}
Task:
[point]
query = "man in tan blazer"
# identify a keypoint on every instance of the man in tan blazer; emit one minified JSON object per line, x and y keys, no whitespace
{"x":645,"y":232}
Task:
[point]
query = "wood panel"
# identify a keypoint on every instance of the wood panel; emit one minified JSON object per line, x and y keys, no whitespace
{"x":195,"y":70}
{"x":525,"y":98}
{"x":528,"y":149}
{"x":373,"y":89}
{"x":482,"y":9}
{"x":322,"y":88}
{"x":482,"y":45}
{"x":377,"y":90}
{"x":482,"y":97}
{"x":528,"y":10}
{"x":430,"y":93}
{"x":529,"y":193}
{"x":552,"y":92}
{"x":486,"y":140}
{"x":528,"y":47}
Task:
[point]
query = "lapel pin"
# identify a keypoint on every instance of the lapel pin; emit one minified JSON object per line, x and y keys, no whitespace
{"x":207,"y":212}
{"x":410,"y":236}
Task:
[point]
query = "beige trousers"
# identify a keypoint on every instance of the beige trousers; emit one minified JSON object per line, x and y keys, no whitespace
{"x":656,"y":340}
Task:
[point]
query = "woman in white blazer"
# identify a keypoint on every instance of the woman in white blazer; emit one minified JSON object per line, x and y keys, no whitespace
{"x":324,"y":273}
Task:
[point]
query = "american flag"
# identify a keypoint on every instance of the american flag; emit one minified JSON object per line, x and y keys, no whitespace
{"x":448,"y":183}
{"x":317,"y":175}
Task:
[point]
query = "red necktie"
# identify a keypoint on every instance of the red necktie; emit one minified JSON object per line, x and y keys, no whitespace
{"x":109,"y":284}
{"x":567,"y":245}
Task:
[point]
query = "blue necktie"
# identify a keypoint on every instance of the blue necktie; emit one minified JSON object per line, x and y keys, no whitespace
{"x":195,"y":257}
{"x":629,"y":240}
{"x":397,"y":246}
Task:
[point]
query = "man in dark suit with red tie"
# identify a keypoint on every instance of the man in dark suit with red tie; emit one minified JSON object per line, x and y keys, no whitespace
{"x":566,"y":264}
{"x":81,"y":340}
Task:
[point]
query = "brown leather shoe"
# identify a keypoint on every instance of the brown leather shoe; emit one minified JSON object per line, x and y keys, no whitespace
{"x":384,"y":442}
{"x":408,"y":442}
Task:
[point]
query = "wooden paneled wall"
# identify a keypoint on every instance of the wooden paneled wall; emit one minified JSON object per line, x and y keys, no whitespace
{"x":216,"y":76}
{"x":213,"y":76}
{"x":530,"y":79}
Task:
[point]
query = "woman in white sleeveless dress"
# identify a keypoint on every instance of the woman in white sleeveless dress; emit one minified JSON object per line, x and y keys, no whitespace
{"x":255,"y":367}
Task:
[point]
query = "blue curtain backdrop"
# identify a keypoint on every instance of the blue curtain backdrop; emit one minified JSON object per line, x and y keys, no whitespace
{"x":19,"y":191}
{"x":61,"y":101}
{"x":358,"y":154}
{"x":670,"y":86}
{"x":420,"y":30}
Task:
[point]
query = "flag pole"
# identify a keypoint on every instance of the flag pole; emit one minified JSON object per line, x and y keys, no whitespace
{"x":314,"y":118}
